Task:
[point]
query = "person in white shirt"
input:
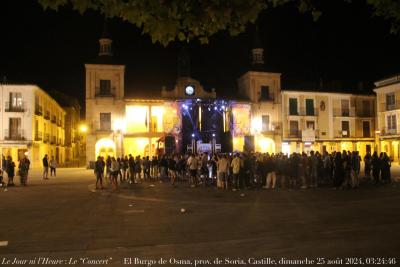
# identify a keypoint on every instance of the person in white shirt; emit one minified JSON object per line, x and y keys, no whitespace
{"x":193,"y":165}
{"x":222,"y":169}
{"x":53,"y":166}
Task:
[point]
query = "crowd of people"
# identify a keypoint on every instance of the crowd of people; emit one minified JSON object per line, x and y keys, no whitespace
{"x":9,"y":170}
{"x":237,"y":171}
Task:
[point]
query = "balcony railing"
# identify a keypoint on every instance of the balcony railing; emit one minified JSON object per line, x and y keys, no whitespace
{"x":105,"y":94}
{"x":270,"y":97}
{"x":304,"y":112}
{"x":386,"y":107}
{"x":38,"y":136}
{"x":342,"y":134}
{"x":38,"y":110}
{"x":46,"y":138}
{"x":386,"y":132}
{"x":338,"y":112}
{"x":9,"y":107}
{"x":365,"y":113}
{"x":293,"y":133}
{"x":14,"y":134}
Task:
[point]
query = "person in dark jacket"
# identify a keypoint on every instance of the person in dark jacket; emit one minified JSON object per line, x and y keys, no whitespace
{"x":338,"y":170}
{"x":10,"y":171}
{"x":376,"y":167}
{"x":385,"y":168}
{"x":99,"y":172}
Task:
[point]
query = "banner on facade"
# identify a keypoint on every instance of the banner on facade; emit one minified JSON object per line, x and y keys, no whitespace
{"x":308,"y":135}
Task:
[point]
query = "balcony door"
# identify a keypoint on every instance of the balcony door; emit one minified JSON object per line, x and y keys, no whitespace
{"x":14,"y":128}
{"x":366,"y":129}
{"x":345,"y":129}
{"x":265,"y":123}
{"x":105,"y":121}
{"x":310,"y":107}
{"x":345,"y":104}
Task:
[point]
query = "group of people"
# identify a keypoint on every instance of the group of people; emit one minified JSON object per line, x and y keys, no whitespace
{"x":8,"y":170}
{"x":248,"y":170}
{"x":46,"y":164}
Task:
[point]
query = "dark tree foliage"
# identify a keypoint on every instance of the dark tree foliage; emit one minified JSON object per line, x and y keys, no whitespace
{"x":184,"y":20}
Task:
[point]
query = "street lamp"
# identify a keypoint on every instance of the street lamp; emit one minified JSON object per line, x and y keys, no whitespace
{"x":83,"y":128}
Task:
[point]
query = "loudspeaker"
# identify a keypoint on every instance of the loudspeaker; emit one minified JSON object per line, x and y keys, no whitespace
{"x":226,"y":142}
{"x":248,"y":143}
{"x":170,"y":145}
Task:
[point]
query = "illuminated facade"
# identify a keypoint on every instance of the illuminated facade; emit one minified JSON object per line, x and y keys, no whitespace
{"x":327,"y":122}
{"x":263,"y":118}
{"x":33,"y":124}
{"x":388,"y":114}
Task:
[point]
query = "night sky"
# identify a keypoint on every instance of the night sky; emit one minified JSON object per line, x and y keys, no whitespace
{"x":345,"y":46}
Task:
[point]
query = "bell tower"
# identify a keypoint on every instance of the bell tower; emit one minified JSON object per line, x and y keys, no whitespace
{"x":257,"y":52}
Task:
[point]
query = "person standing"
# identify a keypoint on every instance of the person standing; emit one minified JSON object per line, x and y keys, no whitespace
{"x":376,"y":167}
{"x":367,"y":165}
{"x":3,"y":164}
{"x":10,"y":171}
{"x":385,"y":168}
{"x":114,"y":169}
{"x":193,"y":165}
{"x":131,"y":163}
{"x":45,"y":167}
{"x":222,"y":170}
{"x":23,"y":167}
{"x":53,"y":166}
{"x":338,"y":170}
{"x":271,"y":172}
{"x":355,"y":169}
{"x":236,"y":165}
{"x":99,"y":172}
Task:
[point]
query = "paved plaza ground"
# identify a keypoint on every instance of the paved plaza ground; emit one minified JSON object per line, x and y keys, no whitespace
{"x":64,"y":219}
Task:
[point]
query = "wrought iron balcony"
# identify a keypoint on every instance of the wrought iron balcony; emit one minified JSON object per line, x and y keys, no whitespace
{"x":388,"y":132}
{"x":47,"y":115}
{"x":304,"y":112}
{"x":14,"y":134}
{"x":338,"y":112}
{"x":389,"y":106}
{"x":38,"y":110}
{"x":20,"y":107}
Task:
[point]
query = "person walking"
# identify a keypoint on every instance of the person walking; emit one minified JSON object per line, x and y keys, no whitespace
{"x":53,"y":166}
{"x":45,"y":167}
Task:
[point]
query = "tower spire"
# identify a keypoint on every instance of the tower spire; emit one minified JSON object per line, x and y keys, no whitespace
{"x":257,"y":52}
{"x":105,"y":41}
